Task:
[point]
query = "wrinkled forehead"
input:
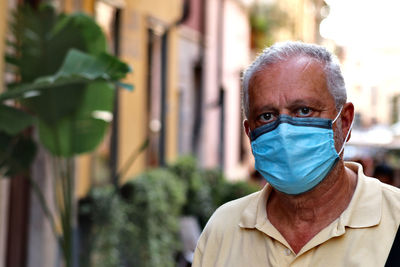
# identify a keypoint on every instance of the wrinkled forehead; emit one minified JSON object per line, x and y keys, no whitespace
{"x":287,"y":85}
{"x":295,"y":70}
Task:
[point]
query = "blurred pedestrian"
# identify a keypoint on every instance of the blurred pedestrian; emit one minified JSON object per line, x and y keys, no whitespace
{"x":384,"y":173}
{"x":316,"y":209}
{"x":367,"y":163}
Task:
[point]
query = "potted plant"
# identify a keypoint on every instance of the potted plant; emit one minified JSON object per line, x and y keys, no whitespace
{"x":65,"y":82}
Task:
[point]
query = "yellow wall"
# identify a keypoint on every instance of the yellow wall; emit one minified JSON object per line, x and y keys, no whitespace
{"x":166,"y":11}
{"x":133,"y":109}
{"x":133,"y":105}
{"x":302,"y":21}
{"x":84,"y":162}
{"x":133,"y":117}
{"x":88,"y":6}
{"x":173,"y":97}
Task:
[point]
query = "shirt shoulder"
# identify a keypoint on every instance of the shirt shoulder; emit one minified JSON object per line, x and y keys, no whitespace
{"x":374,"y":201}
{"x":225,"y":221}
{"x":391,"y":191}
{"x":391,"y":200}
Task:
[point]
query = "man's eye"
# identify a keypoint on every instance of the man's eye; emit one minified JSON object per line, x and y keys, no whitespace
{"x":303,"y":112}
{"x":267,"y":117}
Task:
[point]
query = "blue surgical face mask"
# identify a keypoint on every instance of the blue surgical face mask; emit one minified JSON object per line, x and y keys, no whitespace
{"x":295,"y":154}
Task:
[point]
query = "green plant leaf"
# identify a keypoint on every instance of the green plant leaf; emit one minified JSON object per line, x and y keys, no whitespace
{"x":83,"y":130}
{"x":13,"y":120}
{"x":87,"y":67}
{"x":79,"y":68}
{"x":33,"y":45}
{"x":89,"y":33}
{"x":16,"y":155}
{"x":64,"y":74}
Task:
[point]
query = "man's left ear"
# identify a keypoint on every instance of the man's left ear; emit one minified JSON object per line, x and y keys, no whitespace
{"x":347,"y":118}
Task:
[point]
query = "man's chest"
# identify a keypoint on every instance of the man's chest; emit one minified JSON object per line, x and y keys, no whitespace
{"x":357,"y":247}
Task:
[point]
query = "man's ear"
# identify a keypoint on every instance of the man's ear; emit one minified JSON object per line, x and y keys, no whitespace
{"x":347,"y":118}
{"x":246,"y":127}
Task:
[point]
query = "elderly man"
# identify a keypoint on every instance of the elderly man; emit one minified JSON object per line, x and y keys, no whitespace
{"x":316,"y":209}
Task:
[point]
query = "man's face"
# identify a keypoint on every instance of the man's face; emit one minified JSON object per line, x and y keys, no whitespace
{"x":295,"y":87}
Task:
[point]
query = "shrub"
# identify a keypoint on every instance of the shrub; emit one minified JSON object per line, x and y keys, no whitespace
{"x":103,"y":221}
{"x":155,"y":200}
{"x":199,"y":202}
{"x":138,"y":226}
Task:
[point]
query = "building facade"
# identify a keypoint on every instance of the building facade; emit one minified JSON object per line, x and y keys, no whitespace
{"x":214,"y":49}
{"x":146,"y":38}
{"x":187,"y":58}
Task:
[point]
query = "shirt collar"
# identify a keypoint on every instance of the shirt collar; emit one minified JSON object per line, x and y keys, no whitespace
{"x":364,"y":209}
{"x":256,"y":210}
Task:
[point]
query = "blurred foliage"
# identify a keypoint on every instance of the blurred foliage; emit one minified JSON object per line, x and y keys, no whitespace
{"x":139,"y":225}
{"x":103,"y":224}
{"x":16,"y":155}
{"x":64,"y":75}
{"x":265,"y":21}
{"x":223,"y":190}
{"x":156,"y":198}
{"x":64,"y":85}
{"x":198,"y":192}
{"x":18,"y":149}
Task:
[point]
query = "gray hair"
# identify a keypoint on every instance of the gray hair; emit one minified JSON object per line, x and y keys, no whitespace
{"x":285,"y":50}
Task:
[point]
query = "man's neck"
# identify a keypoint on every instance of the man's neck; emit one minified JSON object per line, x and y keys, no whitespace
{"x":300,"y":217}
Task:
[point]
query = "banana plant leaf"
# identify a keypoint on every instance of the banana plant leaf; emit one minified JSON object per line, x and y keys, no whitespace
{"x":67,"y":77}
{"x":17,"y":150}
{"x":83,"y":130}
{"x":13,"y":120}
{"x":16,"y":154}
{"x":85,"y":67}
{"x":66,"y":81}
{"x":43,"y":39}
{"x":77,"y":69}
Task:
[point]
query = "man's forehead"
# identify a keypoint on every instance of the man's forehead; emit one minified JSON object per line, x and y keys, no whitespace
{"x":287,"y":69}
{"x":313,"y":101}
{"x":301,"y":77}
{"x":298,"y":63}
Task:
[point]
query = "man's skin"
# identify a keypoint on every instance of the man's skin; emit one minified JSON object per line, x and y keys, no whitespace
{"x":298,"y":87}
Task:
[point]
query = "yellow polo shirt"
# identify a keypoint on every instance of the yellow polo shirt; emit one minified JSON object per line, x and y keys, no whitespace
{"x":240,"y":234}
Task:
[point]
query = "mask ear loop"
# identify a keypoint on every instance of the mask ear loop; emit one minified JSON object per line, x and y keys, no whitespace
{"x":348,"y":132}
{"x":337,"y":116}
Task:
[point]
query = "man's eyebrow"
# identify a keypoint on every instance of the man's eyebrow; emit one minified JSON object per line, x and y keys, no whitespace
{"x":268,"y":107}
{"x":313,"y":102}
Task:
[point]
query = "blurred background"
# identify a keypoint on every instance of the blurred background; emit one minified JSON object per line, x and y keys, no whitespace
{"x":171,"y":150}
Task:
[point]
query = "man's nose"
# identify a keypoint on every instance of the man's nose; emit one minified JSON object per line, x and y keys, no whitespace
{"x":284,"y":111}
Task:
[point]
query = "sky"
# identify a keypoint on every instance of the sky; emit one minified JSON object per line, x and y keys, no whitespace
{"x":363,"y":23}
